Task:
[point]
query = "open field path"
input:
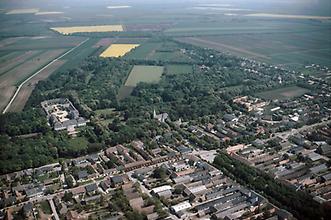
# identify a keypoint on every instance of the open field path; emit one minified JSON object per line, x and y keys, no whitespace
{"x":36,"y":73}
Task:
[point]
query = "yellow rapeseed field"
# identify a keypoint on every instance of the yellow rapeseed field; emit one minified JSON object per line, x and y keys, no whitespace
{"x":118,"y":50}
{"x":79,"y":29}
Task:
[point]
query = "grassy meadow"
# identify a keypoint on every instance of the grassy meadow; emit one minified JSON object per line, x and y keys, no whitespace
{"x":283,"y":93}
{"x":146,"y":74}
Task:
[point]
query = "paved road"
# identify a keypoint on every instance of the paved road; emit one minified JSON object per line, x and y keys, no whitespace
{"x":36,"y":73}
{"x":283,"y":135}
{"x":51,"y":203}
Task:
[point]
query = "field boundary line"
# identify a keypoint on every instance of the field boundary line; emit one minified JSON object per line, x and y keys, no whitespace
{"x":36,"y":73}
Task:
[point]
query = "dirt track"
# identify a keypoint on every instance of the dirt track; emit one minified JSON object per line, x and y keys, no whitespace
{"x":26,"y":90}
{"x":14,"y":76}
{"x":5,"y":94}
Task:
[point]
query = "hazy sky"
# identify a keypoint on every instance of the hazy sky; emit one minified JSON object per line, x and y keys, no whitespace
{"x":313,"y":7}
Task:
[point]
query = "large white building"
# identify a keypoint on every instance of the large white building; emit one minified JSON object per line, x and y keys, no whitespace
{"x":62,"y":114}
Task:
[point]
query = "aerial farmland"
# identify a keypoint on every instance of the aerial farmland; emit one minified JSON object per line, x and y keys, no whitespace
{"x":138,"y":74}
{"x":118,"y":50}
{"x":87,"y":29}
{"x":147,"y":74}
{"x":165,"y":109}
{"x":25,"y":56}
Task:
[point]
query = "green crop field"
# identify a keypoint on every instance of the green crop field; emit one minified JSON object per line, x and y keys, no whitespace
{"x":158,"y":51}
{"x":290,"y":49}
{"x":144,"y":51}
{"x":22,"y":57}
{"x":140,"y":73}
{"x":41,"y":43}
{"x":178,"y":69}
{"x":283,"y":93}
{"x":147,"y":74}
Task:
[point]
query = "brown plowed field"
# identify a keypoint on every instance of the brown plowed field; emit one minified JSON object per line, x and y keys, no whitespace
{"x":26,"y":90}
{"x":11,"y":63}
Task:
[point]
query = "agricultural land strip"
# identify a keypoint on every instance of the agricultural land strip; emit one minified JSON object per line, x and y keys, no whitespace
{"x":83,"y":29}
{"x":220,"y":46}
{"x":9,"y":64}
{"x":140,"y":73}
{"x":290,"y":49}
{"x":147,"y":74}
{"x":288,"y":16}
{"x":118,"y":50}
{"x":26,"y":90}
{"x":35,"y":74}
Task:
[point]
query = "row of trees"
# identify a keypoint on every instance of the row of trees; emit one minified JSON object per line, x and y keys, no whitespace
{"x":300,"y":203}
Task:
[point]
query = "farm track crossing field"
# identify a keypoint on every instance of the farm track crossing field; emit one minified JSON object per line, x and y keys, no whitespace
{"x":26,"y":90}
{"x":118,"y":50}
{"x":13,"y":77}
{"x":72,"y":56}
{"x":79,"y":54}
{"x":5,"y":94}
{"x":147,"y":74}
{"x":21,"y":72}
{"x":283,"y":93}
{"x":83,"y":29}
{"x":23,"y":56}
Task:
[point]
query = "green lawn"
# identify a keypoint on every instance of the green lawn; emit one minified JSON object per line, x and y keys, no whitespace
{"x":283,"y":93}
{"x":147,"y":74}
{"x":178,"y":69}
{"x":78,"y":143}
